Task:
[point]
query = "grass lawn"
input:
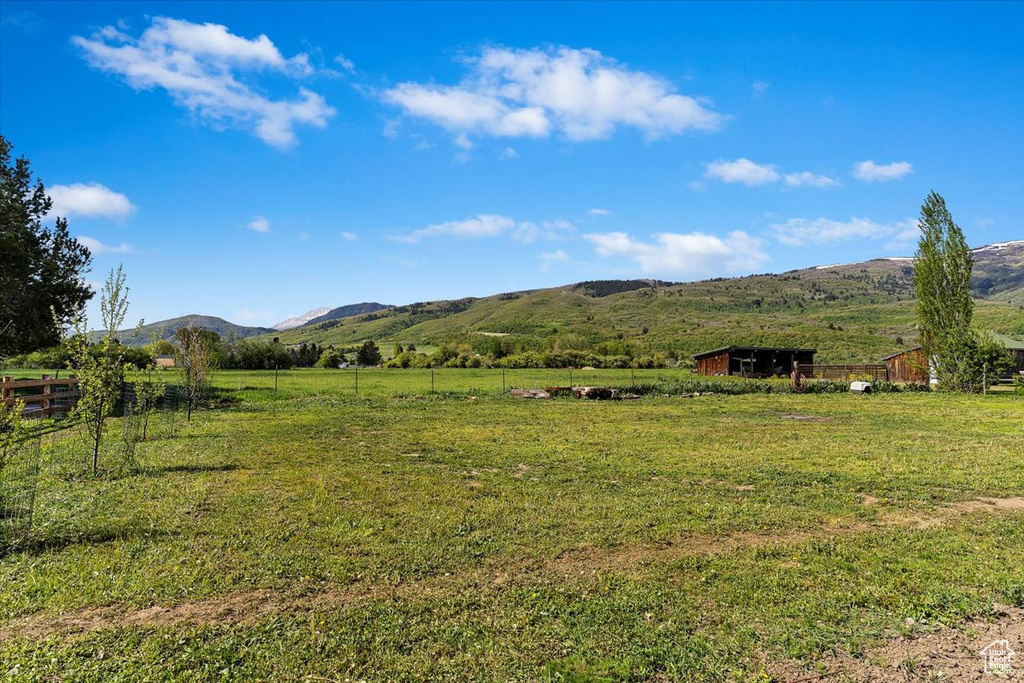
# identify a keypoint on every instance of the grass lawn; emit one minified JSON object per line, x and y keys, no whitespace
{"x":312,"y":534}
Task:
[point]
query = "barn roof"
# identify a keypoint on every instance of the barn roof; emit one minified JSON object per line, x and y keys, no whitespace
{"x":731,"y":349}
{"x":900,"y":353}
{"x":1009,"y":342}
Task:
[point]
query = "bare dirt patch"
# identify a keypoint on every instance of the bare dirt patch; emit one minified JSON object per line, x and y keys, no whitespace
{"x":947,"y":654}
{"x":991,"y":504}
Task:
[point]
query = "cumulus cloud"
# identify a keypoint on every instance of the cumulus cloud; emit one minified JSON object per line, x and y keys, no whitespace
{"x":349,"y":236}
{"x":870,"y":172}
{"x":508,"y":154}
{"x":800,"y":232}
{"x":579,"y":94}
{"x":97,"y":247}
{"x":203,"y":67}
{"x":752,"y":174}
{"x":89,"y":200}
{"x":259,"y":224}
{"x":490,"y":225}
{"x":683,"y":255}
{"x":599,"y":212}
{"x":742,"y":171}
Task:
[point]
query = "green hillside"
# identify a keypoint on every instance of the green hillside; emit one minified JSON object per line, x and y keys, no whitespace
{"x":851,"y":313}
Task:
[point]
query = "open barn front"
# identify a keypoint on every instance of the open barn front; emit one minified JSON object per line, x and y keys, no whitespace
{"x":752,"y":361}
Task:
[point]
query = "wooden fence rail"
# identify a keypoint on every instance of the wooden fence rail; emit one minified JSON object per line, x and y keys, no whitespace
{"x":43,"y":397}
{"x":875,"y":372}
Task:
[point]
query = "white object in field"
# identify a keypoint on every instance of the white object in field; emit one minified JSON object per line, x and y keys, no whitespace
{"x":860,"y":387}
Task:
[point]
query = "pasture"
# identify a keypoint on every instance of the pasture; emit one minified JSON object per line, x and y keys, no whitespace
{"x":312,"y":534}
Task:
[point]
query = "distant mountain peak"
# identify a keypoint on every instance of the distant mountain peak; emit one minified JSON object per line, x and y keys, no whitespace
{"x":299,"y":320}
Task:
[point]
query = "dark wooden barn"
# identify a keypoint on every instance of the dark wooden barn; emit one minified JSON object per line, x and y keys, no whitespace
{"x":908,"y":366}
{"x":752,"y":361}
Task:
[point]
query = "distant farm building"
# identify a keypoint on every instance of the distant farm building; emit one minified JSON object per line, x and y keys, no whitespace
{"x":752,"y":361}
{"x":164,"y":361}
{"x":908,"y":366}
{"x":1015,"y":347}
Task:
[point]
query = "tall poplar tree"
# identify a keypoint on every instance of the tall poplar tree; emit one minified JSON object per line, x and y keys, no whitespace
{"x":942,"y":283}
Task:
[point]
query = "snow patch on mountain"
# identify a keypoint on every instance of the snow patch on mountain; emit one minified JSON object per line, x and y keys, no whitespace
{"x":289,"y":323}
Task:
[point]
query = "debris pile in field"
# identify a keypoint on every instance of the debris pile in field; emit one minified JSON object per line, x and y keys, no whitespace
{"x":591,"y":393}
{"x":530,"y":393}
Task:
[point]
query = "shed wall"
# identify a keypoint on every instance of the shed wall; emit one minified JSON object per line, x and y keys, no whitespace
{"x":714,"y":365}
{"x":911,"y":366}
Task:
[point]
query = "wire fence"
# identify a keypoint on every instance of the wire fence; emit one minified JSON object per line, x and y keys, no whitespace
{"x":18,"y":482}
{"x":395,"y":381}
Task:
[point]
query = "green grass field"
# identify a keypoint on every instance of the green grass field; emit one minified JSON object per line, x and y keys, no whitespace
{"x":310,"y":534}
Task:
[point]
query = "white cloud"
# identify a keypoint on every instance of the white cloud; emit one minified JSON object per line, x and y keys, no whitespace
{"x":751,"y":173}
{"x":557,"y":255}
{"x":483,"y":225}
{"x":508,"y":154}
{"x":97,"y":247}
{"x":489,"y":226}
{"x":89,"y":200}
{"x":742,"y":171}
{"x":759,"y":88}
{"x":390,"y":130}
{"x":202,"y":66}
{"x":549,"y":258}
{"x":599,"y":212}
{"x":799,"y":232}
{"x":688,"y":255}
{"x":349,"y":236}
{"x":345,"y":63}
{"x":580,"y":94}
{"x":463,"y":142}
{"x":809,"y":179}
{"x":870,"y":172}
{"x":259,"y":224}
{"x":905,"y":238}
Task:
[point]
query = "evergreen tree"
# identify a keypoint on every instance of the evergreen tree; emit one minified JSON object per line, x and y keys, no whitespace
{"x":368,"y":354}
{"x":41,"y":269}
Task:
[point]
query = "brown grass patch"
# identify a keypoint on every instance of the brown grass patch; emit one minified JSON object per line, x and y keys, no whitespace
{"x":946,"y":654}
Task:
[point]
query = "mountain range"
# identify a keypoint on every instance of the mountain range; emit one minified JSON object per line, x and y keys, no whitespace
{"x":851,"y":312}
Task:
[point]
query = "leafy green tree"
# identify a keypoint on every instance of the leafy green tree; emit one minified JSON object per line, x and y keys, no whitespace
{"x":330,"y":358}
{"x":100,"y":375}
{"x":368,"y":354}
{"x":942,"y":283}
{"x":41,"y":269}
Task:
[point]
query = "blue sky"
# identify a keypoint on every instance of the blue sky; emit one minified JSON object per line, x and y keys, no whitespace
{"x":255,"y":160}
